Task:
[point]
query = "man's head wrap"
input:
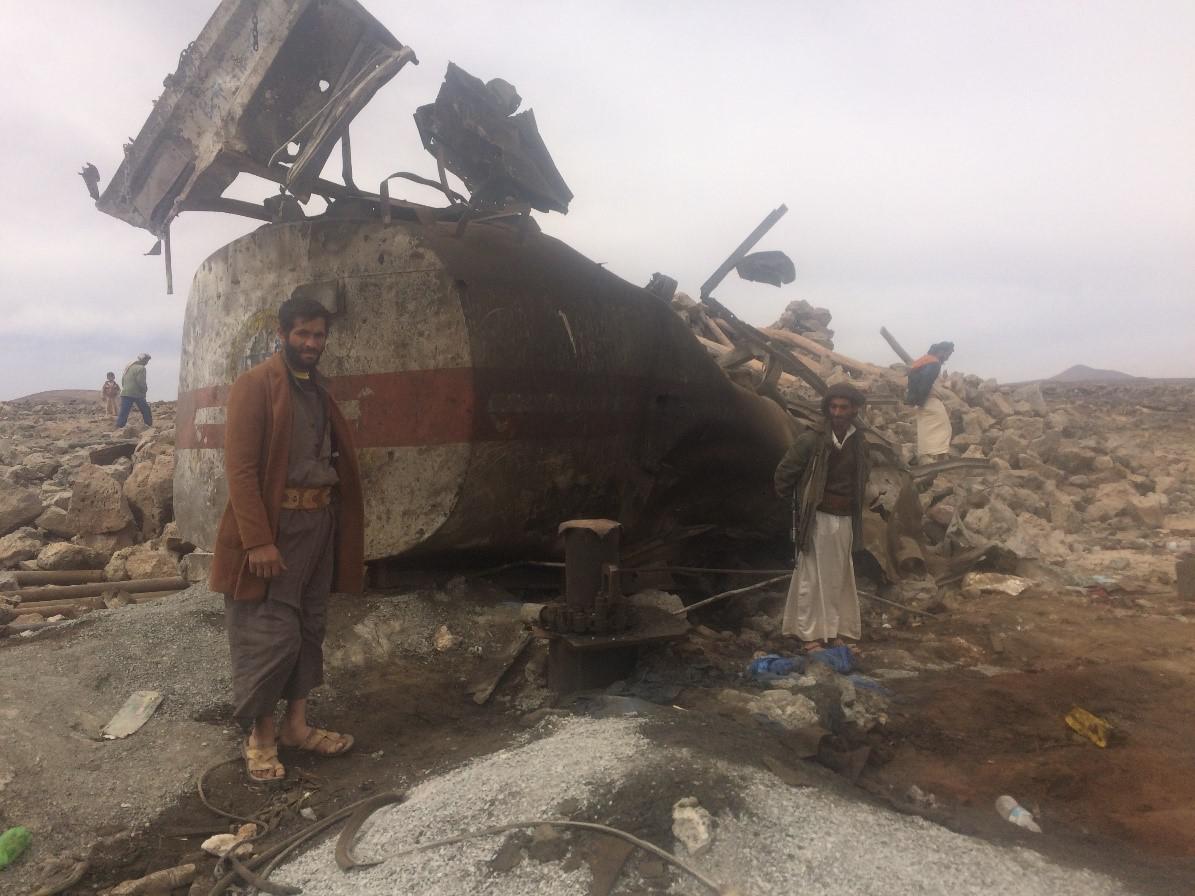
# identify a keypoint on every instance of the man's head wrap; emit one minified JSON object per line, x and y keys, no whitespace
{"x":941,"y":348}
{"x":143,"y":357}
{"x":843,"y":390}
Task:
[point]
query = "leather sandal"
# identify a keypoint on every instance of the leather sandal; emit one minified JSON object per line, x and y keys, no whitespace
{"x":262,"y":765}
{"x":322,"y":743}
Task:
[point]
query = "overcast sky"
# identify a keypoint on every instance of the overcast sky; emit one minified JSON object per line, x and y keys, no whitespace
{"x":1016,"y":176}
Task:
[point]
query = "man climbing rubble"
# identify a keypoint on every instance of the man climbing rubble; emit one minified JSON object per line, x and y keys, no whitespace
{"x":291,"y":532}
{"x":133,"y":390}
{"x":825,"y":473}
{"x":933,"y":422}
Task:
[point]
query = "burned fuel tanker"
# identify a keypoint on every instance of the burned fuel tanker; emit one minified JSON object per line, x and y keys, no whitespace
{"x":499,"y":382}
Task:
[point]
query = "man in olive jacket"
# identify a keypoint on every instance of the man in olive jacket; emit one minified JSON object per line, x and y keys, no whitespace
{"x":133,"y":390}
{"x":825,"y":474}
{"x":291,"y":533}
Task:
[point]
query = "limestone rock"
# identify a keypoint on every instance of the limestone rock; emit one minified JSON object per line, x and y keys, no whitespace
{"x":1150,"y":510}
{"x":789,"y":710}
{"x":97,"y":502}
{"x":1031,"y":396}
{"x":692,"y":825}
{"x":53,"y":520}
{"x":154,"y":443}
{"x":149,"y":491}
{"x":997,"y":405}
{"x":146,"y":562}
{"x":995,"y":521}
{"x":196,"y":566}
{"x":1074,"y":460}
{"x":64,"y":555}
{"x":18,"y":507}
{"x":102,"y":455}
{"x":34,"y":469}
{"x":23,"y":544}
{"x":107,"y":543}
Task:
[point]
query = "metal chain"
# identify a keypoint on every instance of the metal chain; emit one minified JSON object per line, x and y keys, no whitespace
{"x":253,"y":33}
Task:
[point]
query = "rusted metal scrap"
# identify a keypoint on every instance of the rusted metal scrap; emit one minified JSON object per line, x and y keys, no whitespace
{"x":471,"y":131}
{"x":267,"y":88}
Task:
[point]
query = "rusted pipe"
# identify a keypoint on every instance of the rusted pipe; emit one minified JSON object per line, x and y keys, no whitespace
{"x":59,"y":577}
{"x":69,"y":592}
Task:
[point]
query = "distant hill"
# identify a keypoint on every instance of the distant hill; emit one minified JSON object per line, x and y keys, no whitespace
{"x":1081,"y":373}
{"x":61,"y":395}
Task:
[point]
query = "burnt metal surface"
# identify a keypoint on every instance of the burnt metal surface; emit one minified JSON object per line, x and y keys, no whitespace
{"x":268,"y":88}
{"x":501,"y":157}
{"x":498,"y":385}
{"x":593,"y":603}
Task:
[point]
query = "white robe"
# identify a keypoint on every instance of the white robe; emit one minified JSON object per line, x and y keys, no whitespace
{"x":933,"y":428}
{"x":823,"y":602}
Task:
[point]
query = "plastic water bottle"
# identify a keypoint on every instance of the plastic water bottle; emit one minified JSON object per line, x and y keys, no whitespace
{"x":1010,"y":810}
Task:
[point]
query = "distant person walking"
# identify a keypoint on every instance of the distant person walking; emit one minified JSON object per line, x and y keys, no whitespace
{"x":933,"y":422}
{"x":132,"y":392}
{"x":109,"y":392}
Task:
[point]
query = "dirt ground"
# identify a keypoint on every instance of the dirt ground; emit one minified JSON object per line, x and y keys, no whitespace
{"x":975,"y":710}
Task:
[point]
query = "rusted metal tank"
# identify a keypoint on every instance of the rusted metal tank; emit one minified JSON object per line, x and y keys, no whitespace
{"x":499,"y":383}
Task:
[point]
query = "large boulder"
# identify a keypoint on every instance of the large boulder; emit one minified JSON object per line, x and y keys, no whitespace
{"x":142,"y":561}
{"x":1074,"y":460}
{"x":997,"y":405}
{"x":108,"y":543}
{"x":1031,"y":398}
{"x":1150,"y":510}
{"x":150,"y":493}
{"x":196,"y":566}
{"x":98,"y":504}
{"x":153,"y":443}
{"x":102,"y":455}
{"x":53,"y":520}
{"x":995,"y":521}
{"x":18,"y":507}
{"x":22,"y":544}
{"x":64,"y":555}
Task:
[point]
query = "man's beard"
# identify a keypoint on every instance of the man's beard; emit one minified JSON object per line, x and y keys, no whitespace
{"x":295,"y":359}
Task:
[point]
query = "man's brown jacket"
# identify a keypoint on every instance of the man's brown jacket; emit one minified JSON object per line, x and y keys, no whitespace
{"x":257,"y":437}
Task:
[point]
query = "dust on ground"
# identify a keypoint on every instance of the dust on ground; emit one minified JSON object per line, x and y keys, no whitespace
{"x":965,"y":707}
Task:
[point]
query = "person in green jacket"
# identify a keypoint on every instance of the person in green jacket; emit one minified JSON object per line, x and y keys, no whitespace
{"x":825,"y":474}
{"x":132,"y":392}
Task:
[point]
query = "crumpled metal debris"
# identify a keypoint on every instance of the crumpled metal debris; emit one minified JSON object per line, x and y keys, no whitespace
{"x":472,"y":131}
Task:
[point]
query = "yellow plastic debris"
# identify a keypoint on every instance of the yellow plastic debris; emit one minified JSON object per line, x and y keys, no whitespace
{"x":1090,"y":726}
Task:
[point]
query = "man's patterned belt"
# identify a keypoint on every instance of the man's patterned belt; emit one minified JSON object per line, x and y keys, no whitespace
{"x":306,"y":498}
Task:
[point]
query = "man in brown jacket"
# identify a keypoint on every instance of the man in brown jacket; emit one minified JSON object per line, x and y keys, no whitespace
{"x":291,"y":533}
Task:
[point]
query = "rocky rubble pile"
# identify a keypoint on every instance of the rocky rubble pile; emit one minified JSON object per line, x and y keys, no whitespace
{"x":812,"y":323}
{"x":1061,"y":479}
{"x":80,"y":495}
{"x":1059,"y":473}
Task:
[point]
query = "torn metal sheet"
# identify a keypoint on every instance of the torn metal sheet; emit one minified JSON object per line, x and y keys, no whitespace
{"x":471,"y":131}
{"x":136,"y":711}
{"x":268,"y":87}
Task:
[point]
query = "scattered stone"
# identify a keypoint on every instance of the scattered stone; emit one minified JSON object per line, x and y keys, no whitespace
{"x":97,"y":502}
{"x":64,"y":555}
{"x":196,"y":566}
{"x":102,"y":455}
{"x":789,"y":710}
{"x":18,"y":507}
{"x":977,"y":583}
{"x":23,"y":544}
{"x":444,"y":639}
{"x":149,"y":491}
{"x":692,"y":826}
